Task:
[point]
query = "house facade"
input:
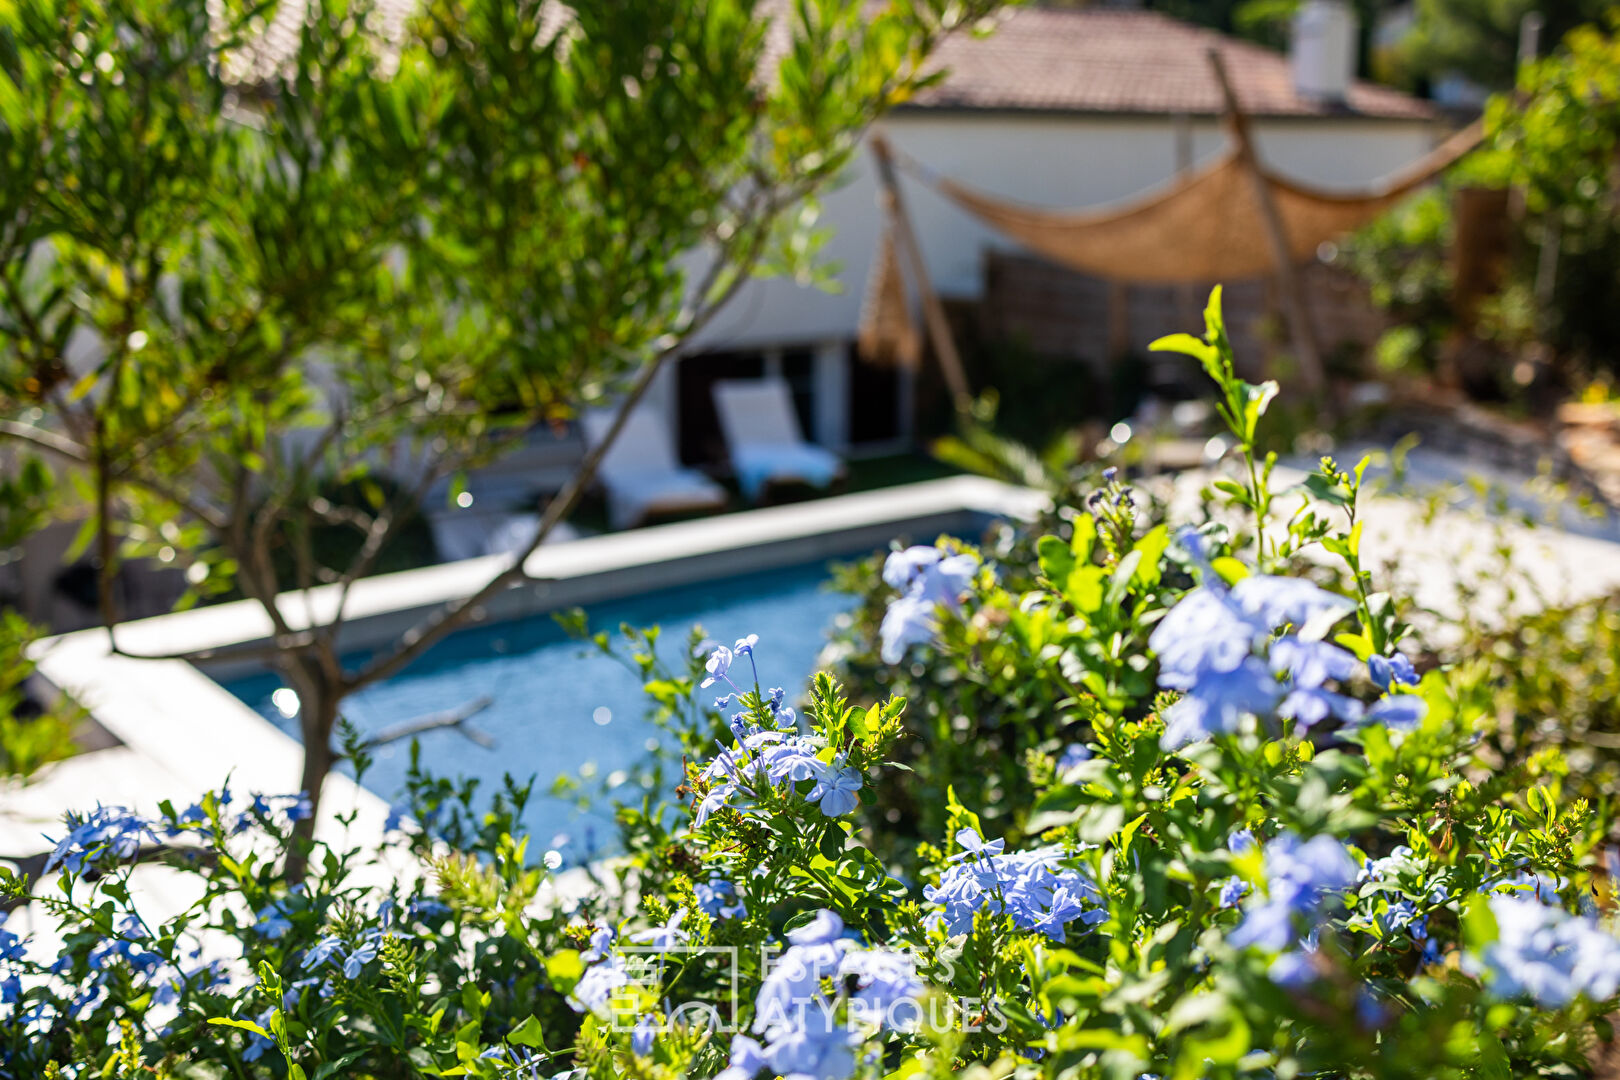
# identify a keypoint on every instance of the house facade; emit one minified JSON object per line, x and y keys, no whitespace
{"x":1062,"y":109}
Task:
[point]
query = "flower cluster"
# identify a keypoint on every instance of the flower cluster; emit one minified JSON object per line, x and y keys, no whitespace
{"x":797,"y":1019}
{"x":717,"y":898}
{"x":1546,"y":954}
{"x":354,"y":956}
{"x":1302,"y":878}
{"x":118,"y":834}
{"x":927,"y":579}
{"x":1032,"y":887}
{"x":1221,"y":648}
{"x":769,"y":756}
{"x":105,"y":831}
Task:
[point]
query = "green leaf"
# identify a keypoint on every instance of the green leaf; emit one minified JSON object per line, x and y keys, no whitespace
{"x":1056,"y":559}
{"x":1124,"y":573}
{"x":1084,"y":541}
{"x":1255,"y":401}
{"x":1478,"y":923}
{"x":528,"y":1034}
{"x":564,"y":967}
{"x":245,"y":1025}
{"x":1084,"y":588}
{"x":335,"y":1066}
{"x":1152,"y":546}
{"x":1184,"y":343}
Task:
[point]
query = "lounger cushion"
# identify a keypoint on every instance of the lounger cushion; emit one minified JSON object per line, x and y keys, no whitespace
{"x":761,"y":464}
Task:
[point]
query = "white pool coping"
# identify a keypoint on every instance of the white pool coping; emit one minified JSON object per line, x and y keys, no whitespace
{"x":182,"y":733}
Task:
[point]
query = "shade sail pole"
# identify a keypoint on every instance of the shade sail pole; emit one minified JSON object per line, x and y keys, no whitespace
{"x":939,"y":329}
{"x":1293,"y":297}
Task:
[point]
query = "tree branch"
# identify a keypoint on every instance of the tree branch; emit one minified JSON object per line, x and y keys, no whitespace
{"x":427,"y":633}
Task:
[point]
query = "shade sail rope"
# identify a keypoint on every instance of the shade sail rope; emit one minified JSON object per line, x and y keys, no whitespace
{"x":1202,"y":227}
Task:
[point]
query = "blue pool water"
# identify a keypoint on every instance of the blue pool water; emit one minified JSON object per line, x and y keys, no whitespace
{"x":559,"y":706}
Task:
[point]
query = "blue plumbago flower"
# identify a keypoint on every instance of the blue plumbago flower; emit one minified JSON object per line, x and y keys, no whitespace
{"x":1218,"y":701}
{"x":1394,"y":668}
{"x":1400,"y":860}
{"x":10,"y":990}
{"x":1233,"y":889}
{"x":777,"y":758}
{"x":718,"y":666}
{"x":113,"y":951}
{"x":792,"y":986}
{"x":908,"y":621}
{"x":641,"y":1038}
{"x":747,"y":1059}
{"x":1302,"y":877}
{"x":1072,"y":755}
{"x":1400,"y":712}
{"x":1215,"y":647}
{"x":835,"y":789}
{"x":323,"y":950}
{"x":363,"y":954}
{"x":927,"y":579}
{"x":666,"y":937}
{"x":1310,"y":664}
{"x":817,"y":1049}
{"x":786,"y":758}
{"x":427,"y":909}
{"x":713,"y":896}
{"x":272,"y":924}
{"x":745,"y":645}
{"x":885,"y":987}
{"x":975,"y":846}
{"x":1240,"y":841}
{"x":11,"y":946}
{"x":598,"y":984}
{"x":1031,"y":887}
{"x":1309,"y":707}
{"x":106,"y":830}
{"x":1289,"y":601}
{"x":1293,"y":970}
{"x":1546,"y":954}
{"x":1203,"y":632}
{"x":601,"y":945}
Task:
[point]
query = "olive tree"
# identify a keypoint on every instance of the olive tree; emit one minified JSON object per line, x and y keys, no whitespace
{"x":247,"y":253}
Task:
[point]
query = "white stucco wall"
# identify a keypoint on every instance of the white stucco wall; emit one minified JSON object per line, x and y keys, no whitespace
{"x":1060,"y":161}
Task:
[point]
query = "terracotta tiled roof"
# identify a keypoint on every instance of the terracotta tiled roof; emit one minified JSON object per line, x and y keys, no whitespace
{"x":1113,"y":61}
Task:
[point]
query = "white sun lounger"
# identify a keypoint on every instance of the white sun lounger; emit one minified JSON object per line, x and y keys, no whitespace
{"x":763,"y":437}
{"x":641,"y":474}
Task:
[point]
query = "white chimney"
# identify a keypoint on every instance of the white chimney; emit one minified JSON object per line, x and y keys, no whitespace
{"x":1324,"y":53}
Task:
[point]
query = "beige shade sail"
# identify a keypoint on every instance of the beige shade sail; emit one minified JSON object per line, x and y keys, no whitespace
{"x":888,"y":334}
{"x":1202,"y":228}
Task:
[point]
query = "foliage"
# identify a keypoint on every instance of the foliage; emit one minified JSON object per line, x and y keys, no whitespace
{"x":1555,"y":142}
{"x":1555,"y":676}
{"x":1257,"y":842}
{"x":252,"y":254}
{"x":1479,"y":39}
{"x":31,"y":735}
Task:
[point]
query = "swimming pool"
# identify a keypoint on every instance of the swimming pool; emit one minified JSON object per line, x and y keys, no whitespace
{"x":559,"y":706}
